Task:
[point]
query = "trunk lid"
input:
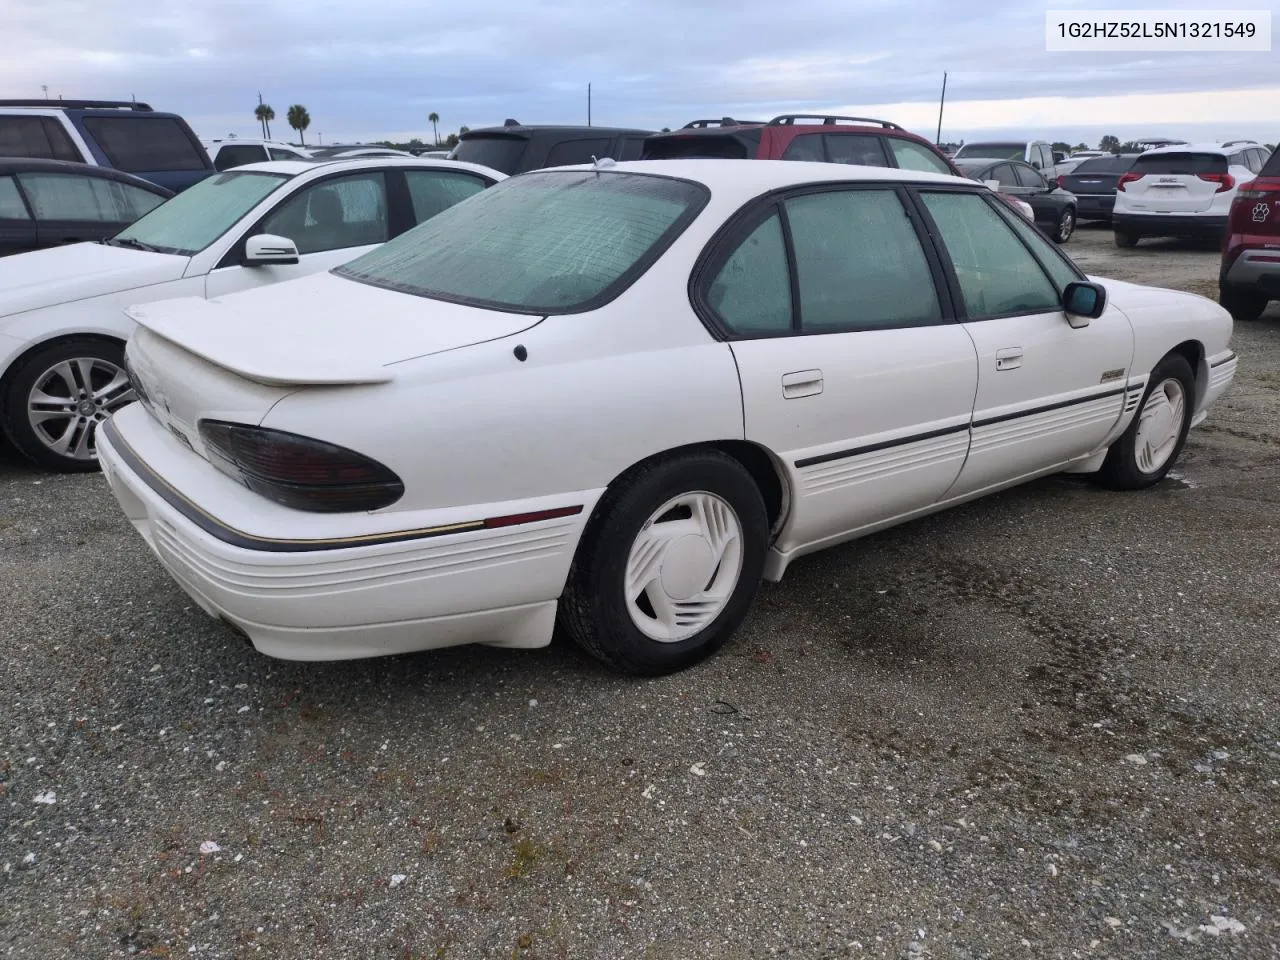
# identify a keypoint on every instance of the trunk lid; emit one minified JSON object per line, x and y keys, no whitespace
{"x":1096,"y":176}
{"x":1181,"y":182}
{"x":234,"y":357}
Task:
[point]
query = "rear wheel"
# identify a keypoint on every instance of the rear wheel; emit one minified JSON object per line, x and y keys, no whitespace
{"x":1066,"y":225}
{"x":1150,"y":446}
{"x":1241,"y":304}
{"x":1125,"y":239}
{"x":668,"y":564}
{"x":55,"y":399}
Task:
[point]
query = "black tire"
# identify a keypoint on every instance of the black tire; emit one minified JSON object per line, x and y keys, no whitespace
{"x":1242,"y":304}
{"x":1120,"y":470}
{"x":1125,"y":239}
{"x":1066,"y":225}
{"x":593,"y":610}
{"x":15,"y":393}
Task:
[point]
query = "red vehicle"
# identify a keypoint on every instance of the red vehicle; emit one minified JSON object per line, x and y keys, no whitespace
{"x":1249,"y":277}
{"x":808,"y":136}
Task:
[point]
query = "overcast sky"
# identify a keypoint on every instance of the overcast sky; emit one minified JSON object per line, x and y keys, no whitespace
{"x":374,"y":70}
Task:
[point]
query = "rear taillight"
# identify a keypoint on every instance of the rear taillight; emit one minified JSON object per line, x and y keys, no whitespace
{"x":1258,"y":189}
{"x":1062,"y":182}
{"x":1225,"y":181}
{"x":1127,"y":178}
{"x":297,"y":471}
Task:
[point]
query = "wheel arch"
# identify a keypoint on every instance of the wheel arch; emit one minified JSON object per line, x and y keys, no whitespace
{"x":1193,"y":352}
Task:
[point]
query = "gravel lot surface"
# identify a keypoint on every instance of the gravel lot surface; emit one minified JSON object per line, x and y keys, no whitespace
{"x":1043,"y":725}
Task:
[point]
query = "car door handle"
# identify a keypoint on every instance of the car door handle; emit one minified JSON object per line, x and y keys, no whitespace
{"x":802,"y":383}
{"x":1010,"y":358}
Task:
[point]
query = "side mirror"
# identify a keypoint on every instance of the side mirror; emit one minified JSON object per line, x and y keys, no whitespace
{"x":1084,"y":301}
{"x":267,"y":248}
{"x":1058,"y":157}
{"x":1036,"y":164}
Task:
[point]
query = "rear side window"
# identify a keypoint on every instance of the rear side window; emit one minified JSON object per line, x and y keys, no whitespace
{"x":751,"y":292}
{"x":499,"y":153}
{"x":39,"y":137}
{"x":11,"y":205}
{"x":237,"y":155}
{"x":1004,"y":174}
{"x":914,"y":156}
{"x":145,"y":144}
{"x":857,"y":149}
{"x":60,"y":196}
{"x":1272,"y":167}
{"x":630,"y":148}
{"x":433,"y":191}
{"x":576,"y":151}
{"x":1028,"y":177}
{"x":542,"y":243}
{"x":807,"y":146}
{"x":1185,"y":164}
{"x":683,"y":147}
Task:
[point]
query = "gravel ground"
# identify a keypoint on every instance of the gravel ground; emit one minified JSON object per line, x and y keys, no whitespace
{"x":1042,"y":725}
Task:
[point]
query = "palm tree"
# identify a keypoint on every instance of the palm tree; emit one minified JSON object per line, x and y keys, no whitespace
{"x":299,"y":119}
{"x":435,"y":118}
{"x":260,"y":114}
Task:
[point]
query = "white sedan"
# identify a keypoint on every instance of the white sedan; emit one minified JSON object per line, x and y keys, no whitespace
{"x":621,"y":395}
{"x":62,"y":323}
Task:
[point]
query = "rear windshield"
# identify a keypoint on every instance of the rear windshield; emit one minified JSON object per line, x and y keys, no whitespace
{"x":146,"y":144}
{"x":1272,"y":167}
{"x":681,"y":147}
{"x":1002,"y":151}
{"x":546,"y":243}
{"x":1188,"y":164}
{"x":498,"y":152}
{"x":1105,"y":165}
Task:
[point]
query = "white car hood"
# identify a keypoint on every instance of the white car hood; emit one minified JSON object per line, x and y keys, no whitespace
{"x":321,"y":329}
{"x":78,"y":271}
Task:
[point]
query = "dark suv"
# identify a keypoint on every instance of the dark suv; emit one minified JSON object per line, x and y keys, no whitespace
{"x":1249,"y":277}
{"x":514,"y":147}
{"x":802,"y":136}
{"x":127,"y":136}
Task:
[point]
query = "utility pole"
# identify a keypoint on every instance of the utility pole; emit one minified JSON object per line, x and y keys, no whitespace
{"x":588,"y":104}
{"x":44,"y":88}
{"x":941,"y":103}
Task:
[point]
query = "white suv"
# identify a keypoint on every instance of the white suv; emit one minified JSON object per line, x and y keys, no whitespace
{"x":236,"y":152}
{"x":1038,"y":153}
{"x":1183,"y":191}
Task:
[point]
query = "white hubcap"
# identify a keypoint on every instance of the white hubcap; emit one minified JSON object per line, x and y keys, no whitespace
{"x":683,"y":566}
{"x":1160,"y":425}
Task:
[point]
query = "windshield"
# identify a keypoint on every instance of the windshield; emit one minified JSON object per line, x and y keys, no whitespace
{"x":546,"y":243}
{"x":202,"y":213}
{"x":498,"y":153}
{"x":1183,"y":164}
{"x":1107,"y":164}
{"x":1001,"y":151}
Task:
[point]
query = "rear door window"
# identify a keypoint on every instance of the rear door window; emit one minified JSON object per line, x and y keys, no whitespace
{"x":577,"y":151}
{"x":1003,"y":172}
{"x":433,"y":191}
{"x":914,"y":156}
{"x":39,"y":137}
{"x":807,"y":146}
{"x":630,"y":148}
{"x":857,"y":149}
{"x":61,"y":196}
{"x":237,"y":155}
{"x":145,"y":144}
{"x":11,"y":205}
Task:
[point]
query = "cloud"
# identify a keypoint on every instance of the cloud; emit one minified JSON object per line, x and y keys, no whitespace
{"x":369,"y":70}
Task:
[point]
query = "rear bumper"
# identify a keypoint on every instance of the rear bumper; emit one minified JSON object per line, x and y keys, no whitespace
{"x":1169,"y":224}
{"x":1091,"y":207}
{"x":489,"y":586}
{"x":1257,"y":271}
